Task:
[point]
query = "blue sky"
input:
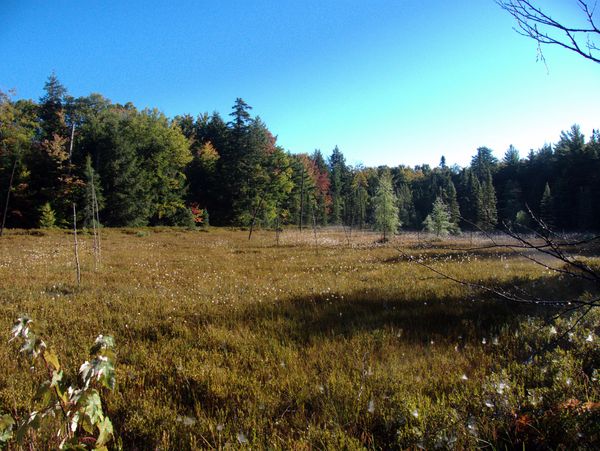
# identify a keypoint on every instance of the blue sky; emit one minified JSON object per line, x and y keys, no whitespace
{"x":389,"y":82}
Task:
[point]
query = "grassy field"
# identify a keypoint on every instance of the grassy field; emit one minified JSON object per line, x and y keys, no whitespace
{"x":338,"y":343}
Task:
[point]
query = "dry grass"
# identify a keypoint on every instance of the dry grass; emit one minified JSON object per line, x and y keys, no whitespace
{"x":335,"y":344}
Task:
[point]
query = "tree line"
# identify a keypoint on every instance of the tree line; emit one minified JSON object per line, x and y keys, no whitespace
{"x":130,"y":167}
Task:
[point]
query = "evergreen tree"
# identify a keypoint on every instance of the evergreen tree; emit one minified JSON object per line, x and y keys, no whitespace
{"x":472,"y":200}
{"x":547,"y":207}
{"x":511,"y":157}
{"x":51,"y":110}
{"x":483,"y":161}
{"x":439,"y":220}
{"x":338,"y":171}
{"x":406,"y":208}
{"x":511,"y":201}
{"x":125,"y":183}
{"x":451,"y":201}
{"x":47,"y":218}
{"x":386,"y":208}
{"x":488,"y":214}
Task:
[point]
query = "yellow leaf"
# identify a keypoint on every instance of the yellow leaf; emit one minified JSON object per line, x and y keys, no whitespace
{"x":52,"y":359}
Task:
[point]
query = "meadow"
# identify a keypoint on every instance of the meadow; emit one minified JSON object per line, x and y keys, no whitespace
{"x":331,"y":341}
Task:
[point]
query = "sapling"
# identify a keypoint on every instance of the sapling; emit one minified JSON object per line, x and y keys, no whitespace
{"x":77,"y":408}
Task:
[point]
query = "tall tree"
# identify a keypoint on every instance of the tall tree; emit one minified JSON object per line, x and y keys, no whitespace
{"x":339,"y":172}
{"x":360,"y":199}
{"x":488,"y":214}
{"x":16,"y":133}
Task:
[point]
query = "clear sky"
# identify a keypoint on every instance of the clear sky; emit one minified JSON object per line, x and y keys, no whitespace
{"x":389,"y":82}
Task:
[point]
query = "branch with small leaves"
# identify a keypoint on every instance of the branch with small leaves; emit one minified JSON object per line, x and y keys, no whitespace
{"x":82,"y":421}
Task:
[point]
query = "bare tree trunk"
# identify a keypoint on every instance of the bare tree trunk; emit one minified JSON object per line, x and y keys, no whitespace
{"x":94,"y":224}
{"x":277,"y":228}
{"x":301,"y":200}
{"x":97,"y":221}
{"x":315,"y":231}
{"x":347,"y":233}
{"x":256,"y":210}
{"x":10,"y":183}
{"x":71,"y":144}
{"x":385,"y":221}
{"x":78,"y":267}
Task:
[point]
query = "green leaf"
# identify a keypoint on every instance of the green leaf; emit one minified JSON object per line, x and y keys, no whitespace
{"x":6,"y":428}
{"x":92,"y":407}
{"x":106,"y":432}
{"x":32,"y":422}
{"x":103,"y":342}
{"x":56,"y":378}
{"x":44,"y":393}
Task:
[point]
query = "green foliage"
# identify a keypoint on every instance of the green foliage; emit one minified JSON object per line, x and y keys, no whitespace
{"x":148,"y":167}
{"x":547,"y":207}
{"x":74,"y":411}
{"x":439,"y":220}
{"x":386,"y":209}
{"x":47,"y":218}
{"x":523,"y":219}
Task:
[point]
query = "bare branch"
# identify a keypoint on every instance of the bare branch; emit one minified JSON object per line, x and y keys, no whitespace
{"x":534,"y":23}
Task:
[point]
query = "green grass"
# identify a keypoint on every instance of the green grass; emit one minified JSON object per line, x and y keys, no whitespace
{"x":341,"y":344}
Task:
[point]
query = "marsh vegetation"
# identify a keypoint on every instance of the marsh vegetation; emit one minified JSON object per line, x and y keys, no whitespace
{"x":339,"y":343}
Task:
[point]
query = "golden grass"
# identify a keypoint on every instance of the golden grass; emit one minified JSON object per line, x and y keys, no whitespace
{"x":228,"y":342}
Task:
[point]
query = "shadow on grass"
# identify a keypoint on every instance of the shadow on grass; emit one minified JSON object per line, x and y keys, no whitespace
{"x":420,"y":321}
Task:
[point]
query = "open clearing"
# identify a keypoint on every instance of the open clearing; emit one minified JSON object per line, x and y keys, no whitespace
{"x":340,"y":343}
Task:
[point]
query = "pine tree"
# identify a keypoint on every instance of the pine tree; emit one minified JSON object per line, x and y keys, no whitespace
{"x":386,"y":208}
{"x":450,"y":199}
{"x":439,"y":220}
{"x":47,"y":218}
{"x":473,"y":207}
{"x":488,"y":214}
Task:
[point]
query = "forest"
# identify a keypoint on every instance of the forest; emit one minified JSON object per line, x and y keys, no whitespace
{"x":140,"y":167}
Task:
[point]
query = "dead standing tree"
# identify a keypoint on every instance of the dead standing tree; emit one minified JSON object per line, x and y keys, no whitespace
{"x":581,"y":36}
